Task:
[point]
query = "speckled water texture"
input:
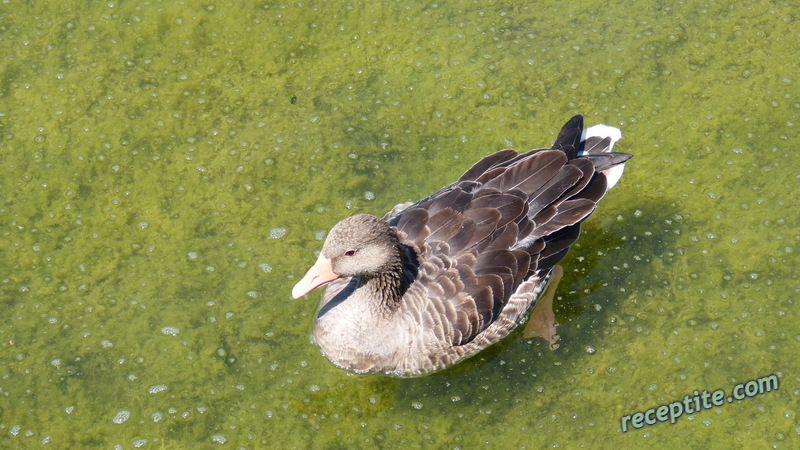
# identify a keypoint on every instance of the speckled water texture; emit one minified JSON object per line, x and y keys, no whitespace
{"x":169,"y":168}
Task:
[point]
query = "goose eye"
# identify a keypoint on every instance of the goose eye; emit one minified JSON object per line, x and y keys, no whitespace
{"x":350,"y":253}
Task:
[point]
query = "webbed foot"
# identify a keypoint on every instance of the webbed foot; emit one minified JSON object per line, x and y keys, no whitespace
{"x":542,"y":322}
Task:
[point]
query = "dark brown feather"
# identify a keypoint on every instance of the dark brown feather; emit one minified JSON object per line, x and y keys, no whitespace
{"x":444,"y":224}
{"x":596,"y":190}
{"x":463,"y":238}
{"x":484,"y":165}
{"x":587,"y":169}
{"x":530,"y":174}
{"x":510,"y":206}
{"x":569,"y":138}
{"x":413,"y":222}
{"x":455,"y":199}
{"x":567,"y":177}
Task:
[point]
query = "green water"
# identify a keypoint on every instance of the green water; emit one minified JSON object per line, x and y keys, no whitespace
{"x":167,"y":170}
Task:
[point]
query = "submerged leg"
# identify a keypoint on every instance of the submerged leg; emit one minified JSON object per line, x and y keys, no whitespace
{"x":542,"y":322}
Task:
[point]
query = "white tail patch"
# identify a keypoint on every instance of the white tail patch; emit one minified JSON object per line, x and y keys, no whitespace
{"x":603,"y":131}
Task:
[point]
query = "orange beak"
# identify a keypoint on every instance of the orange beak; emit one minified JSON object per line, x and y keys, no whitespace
{"x":320,"y":273}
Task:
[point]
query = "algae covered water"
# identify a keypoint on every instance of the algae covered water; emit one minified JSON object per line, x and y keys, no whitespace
{"x":167,"y":171}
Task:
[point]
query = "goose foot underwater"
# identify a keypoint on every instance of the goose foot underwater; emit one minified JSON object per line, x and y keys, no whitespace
{"x":542,"y":322}
{"x":439,"y":280}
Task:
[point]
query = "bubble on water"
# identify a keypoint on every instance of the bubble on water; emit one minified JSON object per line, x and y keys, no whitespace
{"x":121,"y":417}
{"x":191,"y":256}
{"x":172,"y":331}
{"x":105,"y":343}
{"x":266,"y":268}
{"x":139,"y":443}
{"x":156,"y":388}
{"x":219,"y":439}
{"x":277,"y":233}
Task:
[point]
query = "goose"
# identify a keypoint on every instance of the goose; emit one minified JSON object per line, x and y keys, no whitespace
{"x":434,"y":282}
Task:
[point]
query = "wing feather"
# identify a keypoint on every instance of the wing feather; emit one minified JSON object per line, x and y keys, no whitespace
{"x":509,"y":217}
